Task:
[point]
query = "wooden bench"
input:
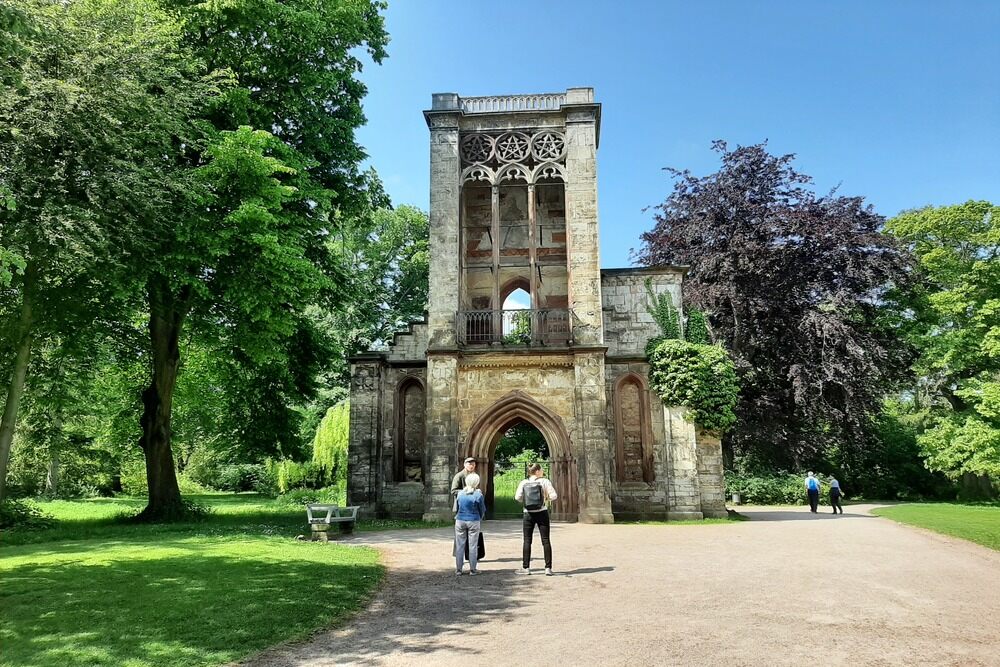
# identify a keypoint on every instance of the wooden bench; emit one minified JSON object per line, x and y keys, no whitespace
{"x":323,"y":517}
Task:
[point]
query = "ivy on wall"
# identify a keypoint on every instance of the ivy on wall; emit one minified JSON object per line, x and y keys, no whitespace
{"x":686,"y":370}
{"x":699,"y":377}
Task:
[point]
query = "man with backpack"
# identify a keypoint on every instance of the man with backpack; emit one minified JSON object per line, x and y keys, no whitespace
{"x":812,"y":488}
{"x":533,"y":492}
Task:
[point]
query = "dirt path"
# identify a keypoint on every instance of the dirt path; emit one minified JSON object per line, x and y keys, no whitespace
{"x":787,"y":587}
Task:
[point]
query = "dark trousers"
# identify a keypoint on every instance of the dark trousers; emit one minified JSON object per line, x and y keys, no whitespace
{"x":532,"y":519}
{"x":813,"y":500}
{"x":835,"y":502}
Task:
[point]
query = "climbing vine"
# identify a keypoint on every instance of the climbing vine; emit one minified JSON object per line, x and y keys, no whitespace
{"x":699,"y":377}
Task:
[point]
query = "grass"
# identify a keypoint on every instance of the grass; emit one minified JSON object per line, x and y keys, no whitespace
{"x":976,"y":523}
{"x":94,"y":590}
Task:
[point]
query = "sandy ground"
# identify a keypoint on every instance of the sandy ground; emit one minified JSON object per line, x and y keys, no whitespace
{"x":786,"y":588}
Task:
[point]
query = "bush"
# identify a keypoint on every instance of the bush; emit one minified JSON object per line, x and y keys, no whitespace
{"x":239,"y":477}
{"x":23,"y":514}
{"x":701,"y":378}
{"x":336,"y":494}
{"x":776,"y":489}
{"x":133,"y":480}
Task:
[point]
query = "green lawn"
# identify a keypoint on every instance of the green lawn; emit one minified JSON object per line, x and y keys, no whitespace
{"x":96,"y":591}
{"x":976,"y":523}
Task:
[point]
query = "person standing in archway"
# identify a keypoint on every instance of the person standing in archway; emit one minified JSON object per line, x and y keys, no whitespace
{"x":457,"y":484}
{"x":533,"y":493}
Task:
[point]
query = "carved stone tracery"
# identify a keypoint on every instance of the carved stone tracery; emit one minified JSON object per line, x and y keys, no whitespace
{"x":507,"y":156}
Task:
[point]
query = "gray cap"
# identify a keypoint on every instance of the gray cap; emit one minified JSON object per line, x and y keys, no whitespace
{"x":470,"y":460}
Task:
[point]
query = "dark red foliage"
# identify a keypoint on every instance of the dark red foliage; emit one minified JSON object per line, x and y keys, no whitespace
{"x":794,"y":286}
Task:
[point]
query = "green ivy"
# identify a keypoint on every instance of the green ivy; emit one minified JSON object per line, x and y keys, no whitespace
{"x":665,"y":314}
{"x":696,"y":330}
{"x":699,"y":377}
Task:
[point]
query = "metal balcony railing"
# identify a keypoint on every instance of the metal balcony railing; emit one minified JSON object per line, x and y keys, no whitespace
{"x":548,"y":326}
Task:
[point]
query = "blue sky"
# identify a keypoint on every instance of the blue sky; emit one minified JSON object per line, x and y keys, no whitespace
{"x":895,"y":101}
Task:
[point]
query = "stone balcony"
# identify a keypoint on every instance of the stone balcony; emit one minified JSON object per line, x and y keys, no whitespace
{"x":515,"y":328}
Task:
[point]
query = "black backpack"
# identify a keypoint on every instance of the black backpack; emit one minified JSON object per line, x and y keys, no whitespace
{"x":534,"y":496}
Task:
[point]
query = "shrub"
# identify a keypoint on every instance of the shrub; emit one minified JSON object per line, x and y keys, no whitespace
{"x":23,"y":514}
{"x":701,"y":378}
{"x":239,"y":477}
{"x":776,"y":489}
{"x":336,"y":494}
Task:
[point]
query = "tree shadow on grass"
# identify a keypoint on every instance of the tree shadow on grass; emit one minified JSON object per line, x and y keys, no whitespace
{"x":198,"y":607}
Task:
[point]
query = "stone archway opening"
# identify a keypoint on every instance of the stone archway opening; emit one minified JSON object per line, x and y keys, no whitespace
{"x":517,"y":446}
{"x":512,"y":412}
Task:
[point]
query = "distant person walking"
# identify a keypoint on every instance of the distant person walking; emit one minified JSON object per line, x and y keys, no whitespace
{"x":471,"y":510}
{"x":812,"y":488}
{"x":533,"y":492}
{"x":835,"y":495}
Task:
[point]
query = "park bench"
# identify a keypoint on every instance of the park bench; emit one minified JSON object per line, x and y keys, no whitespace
{"x":322,"y":518}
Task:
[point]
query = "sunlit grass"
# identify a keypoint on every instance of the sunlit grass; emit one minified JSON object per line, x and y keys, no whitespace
{"x":976,"y":523}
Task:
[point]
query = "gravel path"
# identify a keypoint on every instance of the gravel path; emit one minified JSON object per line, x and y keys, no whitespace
{"x":786,"y":588}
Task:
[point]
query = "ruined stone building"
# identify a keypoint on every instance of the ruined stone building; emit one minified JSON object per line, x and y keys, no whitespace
{"x":513,"y":206}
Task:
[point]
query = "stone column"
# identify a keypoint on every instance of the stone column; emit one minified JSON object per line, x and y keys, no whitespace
{"x":684,"y":493}
{"x":711,"y":481}
{"x":442,"y":435}
{"x":364,"y":443}
{"x":582,"y":117}
{"x":591,"y":443}
{"x":445,"y":182}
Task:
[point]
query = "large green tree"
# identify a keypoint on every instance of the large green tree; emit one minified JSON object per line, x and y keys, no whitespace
{"x":793,"y":284}
{"x":96,"y":101}
{"x":240,"y":269}
{"x":954,"y":320}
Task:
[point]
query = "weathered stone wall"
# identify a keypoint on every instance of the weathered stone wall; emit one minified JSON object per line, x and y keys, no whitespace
{"x":443,"y":221}
{"x":410,"y":345}
{"x":591,"y":432}
{"x":628,"y":324}
{"x":364,"y":446}
{"x":639,"y":500}
{"x":442,"y":434}
{"x":711,"y":481}
{"x":581,"y":216}
{"x":485,"y":379}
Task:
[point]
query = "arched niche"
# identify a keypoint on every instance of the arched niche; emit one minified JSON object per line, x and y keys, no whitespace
{"x":633,"y":435}
{"x":410,"y":430}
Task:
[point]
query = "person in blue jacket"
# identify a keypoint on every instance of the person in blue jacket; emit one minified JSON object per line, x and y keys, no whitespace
{"x":471,"y":508}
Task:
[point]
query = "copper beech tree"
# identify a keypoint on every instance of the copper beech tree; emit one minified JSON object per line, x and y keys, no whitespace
{"x":795,"y":285}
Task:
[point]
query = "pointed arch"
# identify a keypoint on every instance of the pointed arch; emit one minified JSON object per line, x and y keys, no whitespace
{"x":508,"y":409}
{"x":410,"y":429}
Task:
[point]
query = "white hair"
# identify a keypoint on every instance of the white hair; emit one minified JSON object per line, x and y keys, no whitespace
{"x":471,"y":482}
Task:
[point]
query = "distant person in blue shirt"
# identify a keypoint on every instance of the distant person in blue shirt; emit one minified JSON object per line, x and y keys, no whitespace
{"x":471,"y":508}
{"x":812,"y":488}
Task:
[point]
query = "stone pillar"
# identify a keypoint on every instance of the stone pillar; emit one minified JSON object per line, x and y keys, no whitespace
{"x":711,"y":481}
{"x":442,"y":435}
{"x":591,"y":443}
{"x":582,"y":116}
{"x":445,"y":186}
{"x":684,"y":493}
{"x":364,"y":447}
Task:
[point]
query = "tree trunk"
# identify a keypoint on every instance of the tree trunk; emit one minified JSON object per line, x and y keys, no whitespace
{"x":52,"y":476}
{"x":166,"y":318}
{"x":22,"y":352}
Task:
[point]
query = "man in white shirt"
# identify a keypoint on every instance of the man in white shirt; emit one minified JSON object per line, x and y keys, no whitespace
{"x":812,"y":489}
{"x":533,"y":493}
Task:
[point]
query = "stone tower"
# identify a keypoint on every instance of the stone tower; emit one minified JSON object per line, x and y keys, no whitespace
{"x":513,"y":206}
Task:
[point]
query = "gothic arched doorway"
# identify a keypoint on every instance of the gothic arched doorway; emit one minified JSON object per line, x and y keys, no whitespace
{"x":519,"y":408}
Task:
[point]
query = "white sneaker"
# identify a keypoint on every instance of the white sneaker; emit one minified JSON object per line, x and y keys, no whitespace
{"x":548,"y":572}
{"x":473,"y":573}
{"x":458,"y":573}
{"x":522,"y":570}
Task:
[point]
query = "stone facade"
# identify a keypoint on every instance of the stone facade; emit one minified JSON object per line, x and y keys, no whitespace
{"x":514,"y":205}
